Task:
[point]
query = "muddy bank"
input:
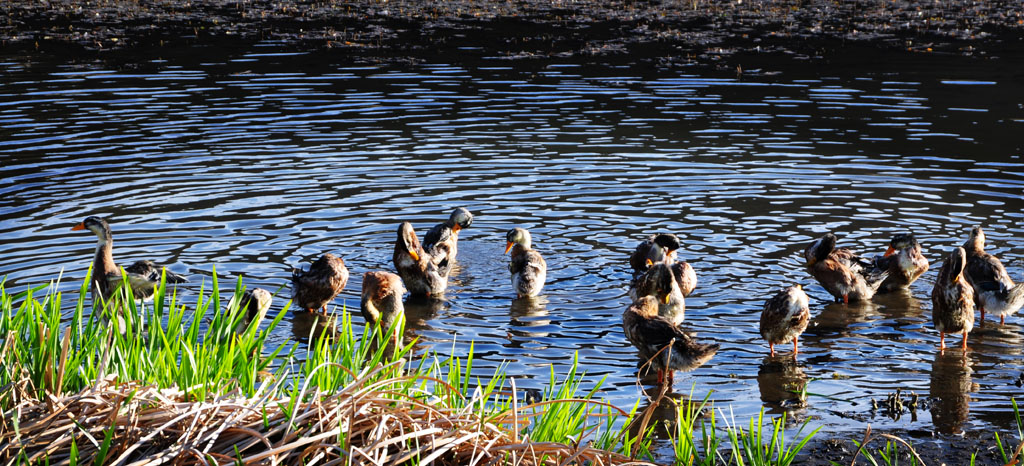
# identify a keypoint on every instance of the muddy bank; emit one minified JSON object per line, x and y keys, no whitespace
{"x":691,"y":29}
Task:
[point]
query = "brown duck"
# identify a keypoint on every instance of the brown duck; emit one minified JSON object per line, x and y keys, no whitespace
{"x":143,"y":276}
{"x":953,"y":299}
{"x":994,"y":290}
{"x":381,"y":302}
{"x":442,"y":241}
{"x":419,"y":271}
{"x":527,"y":266}
{"x":662,"y":342}
{"x":846,"y":276}
{"x":785,"y":317}
{"x":903,"y":261}
{"x":325,"y":279}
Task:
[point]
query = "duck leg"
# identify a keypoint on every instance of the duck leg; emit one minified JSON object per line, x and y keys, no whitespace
{"x":982,"y":314}
{"x":942,"y":341}
{"x":963,"y":345}
{"x":771,"y":348}
{"x":661,"y":377}
{"x":846,"y":299}
{"x":1002,"y":319}
{"x":796,"y":350}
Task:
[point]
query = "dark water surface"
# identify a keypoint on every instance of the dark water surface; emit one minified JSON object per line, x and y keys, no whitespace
{"x":262,"y":161}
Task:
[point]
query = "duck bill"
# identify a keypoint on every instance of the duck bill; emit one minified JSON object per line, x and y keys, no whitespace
{"x":508,"y":247}
{"x":890,"y":252}
{"x":415,"y":257}
{"x":667,"y":298}
{"x":456,"y":228}
{"x":80,"y":226}
{"x":649,"y":263}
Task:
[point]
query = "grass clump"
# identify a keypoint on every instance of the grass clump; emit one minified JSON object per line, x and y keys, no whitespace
{"x":133,"y":383}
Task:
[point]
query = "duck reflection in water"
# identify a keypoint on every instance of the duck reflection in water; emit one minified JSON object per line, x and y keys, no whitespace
{"x":529,"y":319}
{"x":781,"y":381}
{"x":420,"y":310}
{"x":309,"y":326}
{"x":950,"y":388}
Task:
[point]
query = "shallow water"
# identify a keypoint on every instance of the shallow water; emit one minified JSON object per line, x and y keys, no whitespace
{"x":249,"y":164}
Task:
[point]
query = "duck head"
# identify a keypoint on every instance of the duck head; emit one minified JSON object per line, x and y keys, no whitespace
{"x":460,"y":218}
{"x":900,"y":242}
{"x":408,"y":242}
{"x":97,"y":225}
{"x":518,"y":236}
{"x":821,"y":248}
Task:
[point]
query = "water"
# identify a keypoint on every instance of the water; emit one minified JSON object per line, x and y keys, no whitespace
{"x":259,"y":162}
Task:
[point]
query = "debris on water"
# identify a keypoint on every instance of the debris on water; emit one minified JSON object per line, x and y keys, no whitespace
{"x":896,"y":404}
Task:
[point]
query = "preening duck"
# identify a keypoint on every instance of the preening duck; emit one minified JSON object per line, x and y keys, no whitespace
{"x":665,"y":283}
{"x":846,"y":276}
{"x":785,"y":317}
{"x":143,"y":276}
{"x":419,"y":272}
{"x":527,"y":266}
{"x":904,"y":262}
{"x":953,"y":299}
{"x":994,"y":290}
{"x":254,"y":305}
{"x":381,"y":302}
{"x":325,"y":279}
{"x":667,"y":243}
{"x":653,"y":334}
{"x":442,"y":241}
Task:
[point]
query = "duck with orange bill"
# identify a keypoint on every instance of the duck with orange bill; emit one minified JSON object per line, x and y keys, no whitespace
{"x":442,"y":241}
{"x":419,"y":271}
{"x":527,"y":266}
{"x":903,"y":261}
{"x":143,"y":276}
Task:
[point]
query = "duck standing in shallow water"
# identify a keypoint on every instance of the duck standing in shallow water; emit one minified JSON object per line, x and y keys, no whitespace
{"x":313,"y":289}
{"x":254,"y":305}
{"x":442,"y":241}
{"x":994,"y":290}
{"x":419,"y":272}
{"x":953,"y":299}
{"x":785,"y":317}
{"x":846,"y":276}
{"x":904,"y":262}
{"x":143,"y":276}
{"x":652,"y":335}
{"x":527,"y":267}
{"x":381,"y":302}
{"x":661,"y":282}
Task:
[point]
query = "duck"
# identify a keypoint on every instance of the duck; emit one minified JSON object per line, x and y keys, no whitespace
{"x":846,"y":276}
{"x":527,"y":266}
{"x":442,"y":241}
{"x":254,"y":304}
{"x":325,"y":279}
{"x":785,"y":317}
{"x":419,"y":271}
{"x":662,"y":282}
{"x":666,"y":242}
{"x":994,"y":290}
{"x":953,"y":299}
{"x":381,"y":303}
{"x":143,"y":276}
{"x":651,"y":333}
{"x":904,"y":262}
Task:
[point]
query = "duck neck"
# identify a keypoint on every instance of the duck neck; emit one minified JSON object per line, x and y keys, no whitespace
{"x":103,"y":262}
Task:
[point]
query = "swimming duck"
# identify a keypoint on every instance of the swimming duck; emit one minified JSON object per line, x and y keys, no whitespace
{"x":994,"y":290}
{"x":526,"y":265}
{"x":381,"y":302}
{"x":143,"y":276}
{"x":785,"y":317}
{"x":313,"y":289}
{"x":442,"y":241}
{"x":953,"y":299}
{"x":417,"y":268}
{"x":651,"y":333}
{"x":666,"y":242}
{"x":904,"y":262}
{"x":846,"y":276}
{"x":662,"y":282}
{"x":254,"y":304}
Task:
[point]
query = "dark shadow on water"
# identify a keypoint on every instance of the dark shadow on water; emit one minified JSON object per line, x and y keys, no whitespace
{"x":781,"y":379}
{"x":950,"y":387}
{"x":308,"y":326}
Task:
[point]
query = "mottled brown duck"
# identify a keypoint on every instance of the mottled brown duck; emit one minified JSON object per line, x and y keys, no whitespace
{"x":418,"y":270}
{"x":662,"y":342}
{"x":953,"y":299}
{"x":994,"y":290}
{"x":785,"y":317}
{"x":325,"y":279}
{"x":527,"y":266}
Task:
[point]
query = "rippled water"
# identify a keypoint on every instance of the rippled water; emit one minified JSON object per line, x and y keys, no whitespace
{"x":247,"y":163}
